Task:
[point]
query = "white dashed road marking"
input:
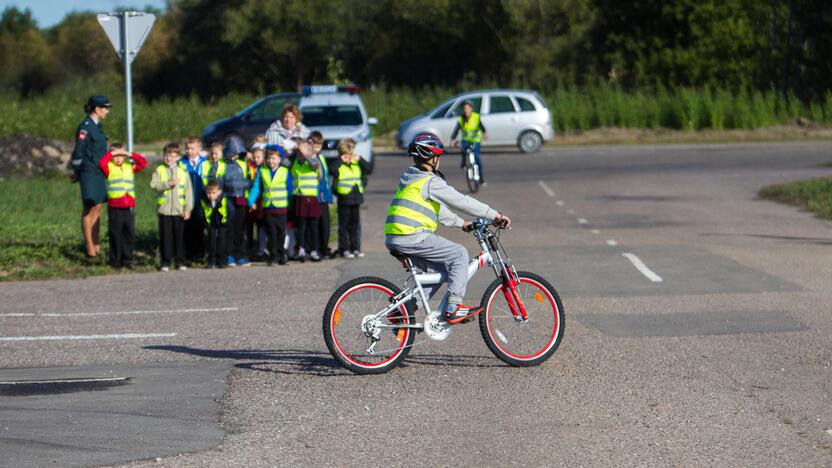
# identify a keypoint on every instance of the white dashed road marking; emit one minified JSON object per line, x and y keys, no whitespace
{"x":87,"y":337}
{"x":131,"y":312}
{"x":570,"y":211}
{"x":559,"y":203}
{"x":546,"y":188}
{"x":595,"y":231}
{"x":612,"y":243}
{"x":640,"y":266}
{"x":582,"y":221}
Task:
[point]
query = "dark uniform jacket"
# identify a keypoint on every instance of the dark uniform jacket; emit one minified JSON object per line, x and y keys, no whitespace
{"x":90,"y":147}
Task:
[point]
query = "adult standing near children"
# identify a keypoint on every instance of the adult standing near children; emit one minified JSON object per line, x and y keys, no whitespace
{"x":289,"y":126}
{"x":90,"y":147}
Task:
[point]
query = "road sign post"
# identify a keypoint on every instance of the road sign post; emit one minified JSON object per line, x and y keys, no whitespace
{"x":127,"y":31}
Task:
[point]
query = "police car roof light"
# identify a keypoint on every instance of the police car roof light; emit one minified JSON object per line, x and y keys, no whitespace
{"x":329,"y":89}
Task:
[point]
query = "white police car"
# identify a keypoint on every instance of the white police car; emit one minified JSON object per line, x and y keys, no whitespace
{"x":337,"y":112}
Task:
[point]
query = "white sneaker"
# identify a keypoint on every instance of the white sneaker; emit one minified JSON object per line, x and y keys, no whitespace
{"x":348,"y":254}
{"x":181,"y":268}
{"x":358,"y":253}
{"x":165,"y":269}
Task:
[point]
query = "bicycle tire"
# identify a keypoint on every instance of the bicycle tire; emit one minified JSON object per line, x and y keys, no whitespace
{"x":496,"y":324}
{"x":470,"y":173}
{"x":355,"y":358}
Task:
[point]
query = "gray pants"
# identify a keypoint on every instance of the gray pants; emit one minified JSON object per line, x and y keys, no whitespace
{"x":434,"y":253}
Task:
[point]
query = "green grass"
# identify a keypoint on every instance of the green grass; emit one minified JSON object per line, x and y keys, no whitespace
{"x":814,"y":195}
{"x":40,"y":229}
{"x":57,"y":113}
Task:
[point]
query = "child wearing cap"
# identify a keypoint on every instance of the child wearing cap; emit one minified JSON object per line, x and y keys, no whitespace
{"x":175,"y":202}
{"x":272,"y":187}
{"x":121,"y":200}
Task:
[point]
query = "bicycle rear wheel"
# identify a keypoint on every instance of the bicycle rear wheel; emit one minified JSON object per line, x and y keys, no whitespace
{"x":525,"y":343}
{"x":472,"y":173}
{"x":347,"y":326}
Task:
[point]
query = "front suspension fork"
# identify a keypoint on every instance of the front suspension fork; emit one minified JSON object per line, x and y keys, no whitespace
{"x":518,"y":309}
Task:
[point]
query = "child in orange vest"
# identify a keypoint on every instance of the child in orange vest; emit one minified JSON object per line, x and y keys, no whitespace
{"x":121,"y":199}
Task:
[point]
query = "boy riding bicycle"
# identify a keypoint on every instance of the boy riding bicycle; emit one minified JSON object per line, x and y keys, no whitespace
{"x":422,"y":201}
{"x":473,"y":132}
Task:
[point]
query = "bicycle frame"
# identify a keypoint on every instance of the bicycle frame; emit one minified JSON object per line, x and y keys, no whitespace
{"x":489,"y":255}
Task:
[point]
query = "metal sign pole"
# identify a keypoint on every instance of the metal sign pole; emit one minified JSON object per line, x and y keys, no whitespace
{"x":128,"y":82}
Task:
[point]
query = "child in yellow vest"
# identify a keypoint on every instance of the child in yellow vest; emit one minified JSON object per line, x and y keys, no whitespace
{"x":121,"y":200}
{"x":349,"y":184}
{"x":272,"y":187}
{"x":306,"y":172}
{"x":175,"y":202}
{"x":215,"y":210}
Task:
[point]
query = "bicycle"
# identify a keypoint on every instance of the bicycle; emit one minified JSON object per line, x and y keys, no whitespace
{"x":369,"y":323}
{"x":472,"y":169}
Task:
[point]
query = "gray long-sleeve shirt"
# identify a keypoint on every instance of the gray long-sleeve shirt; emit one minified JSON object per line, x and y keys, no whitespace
{"x":438,"y":190}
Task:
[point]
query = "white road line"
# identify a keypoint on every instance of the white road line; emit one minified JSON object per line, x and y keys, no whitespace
{"x":595,"y":231}
{"x":87,"y":337}
{"x":131,"y":312}
{"x":546,"y":188}
{"x":640,"y":266}
{"x":559,"y":203}
{"x":612,"y":243}
{"x":582,"y":221}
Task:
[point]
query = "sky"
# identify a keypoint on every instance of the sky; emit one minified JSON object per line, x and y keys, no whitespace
{"x":48,"y":13}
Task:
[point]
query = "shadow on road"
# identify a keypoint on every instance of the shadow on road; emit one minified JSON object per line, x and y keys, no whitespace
{"x":303,"y":362}
{"x":284,"y":361}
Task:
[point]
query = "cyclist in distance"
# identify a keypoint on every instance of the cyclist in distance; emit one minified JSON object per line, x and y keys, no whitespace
{"x":422,"y":201}
{"x":473,"y":132}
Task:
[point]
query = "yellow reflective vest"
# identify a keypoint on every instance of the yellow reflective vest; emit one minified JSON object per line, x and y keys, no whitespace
{"x":164,"y":177}
{"x":205,"y":171}
{"x":208,"y":210}
{"x":349,"y":176}
{"x":304,"y":179}
{"x":471,"y":129}
{"x":274,"y":193}
{"x":120,"y":180}
{"x":409,"y":212}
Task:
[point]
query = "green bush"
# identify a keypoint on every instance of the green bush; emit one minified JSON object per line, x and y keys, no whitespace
{"x":56,"y":113}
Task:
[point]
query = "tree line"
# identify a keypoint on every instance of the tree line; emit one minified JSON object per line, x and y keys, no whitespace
{"x":213,"y":47}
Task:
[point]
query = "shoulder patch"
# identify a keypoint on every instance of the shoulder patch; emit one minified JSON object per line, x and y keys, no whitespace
{"x":82,"y":134}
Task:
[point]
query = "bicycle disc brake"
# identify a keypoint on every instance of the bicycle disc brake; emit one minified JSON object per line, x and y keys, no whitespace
{"x":436,"y":327}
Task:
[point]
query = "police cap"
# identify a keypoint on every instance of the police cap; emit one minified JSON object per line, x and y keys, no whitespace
{"x":98,"y":101}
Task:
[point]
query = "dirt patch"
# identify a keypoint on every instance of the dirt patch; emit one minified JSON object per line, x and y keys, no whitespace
{"x":28,"y":156}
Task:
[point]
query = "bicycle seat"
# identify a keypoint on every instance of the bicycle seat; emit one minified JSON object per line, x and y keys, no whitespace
{"x":399,"y":256}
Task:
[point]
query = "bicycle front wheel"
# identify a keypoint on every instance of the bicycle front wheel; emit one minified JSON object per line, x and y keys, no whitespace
{"x":349,"y":326}
{"x":522,"y":343}
{"x":472,"y":173}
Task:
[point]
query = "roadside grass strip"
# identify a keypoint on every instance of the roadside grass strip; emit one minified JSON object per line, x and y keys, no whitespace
{"x":642,"y":268}
{"x":814,"y":195}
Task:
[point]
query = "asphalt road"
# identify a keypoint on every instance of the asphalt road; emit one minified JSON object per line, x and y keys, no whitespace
{"x":725,"y":361}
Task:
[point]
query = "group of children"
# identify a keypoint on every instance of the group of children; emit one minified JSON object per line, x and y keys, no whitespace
{"x":235,"y":204}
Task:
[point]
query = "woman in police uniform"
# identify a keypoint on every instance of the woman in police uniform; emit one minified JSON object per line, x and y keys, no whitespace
{"x":90,"y":146}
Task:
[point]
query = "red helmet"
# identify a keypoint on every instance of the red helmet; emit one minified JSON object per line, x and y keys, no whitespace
{"x":425,"y":146}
